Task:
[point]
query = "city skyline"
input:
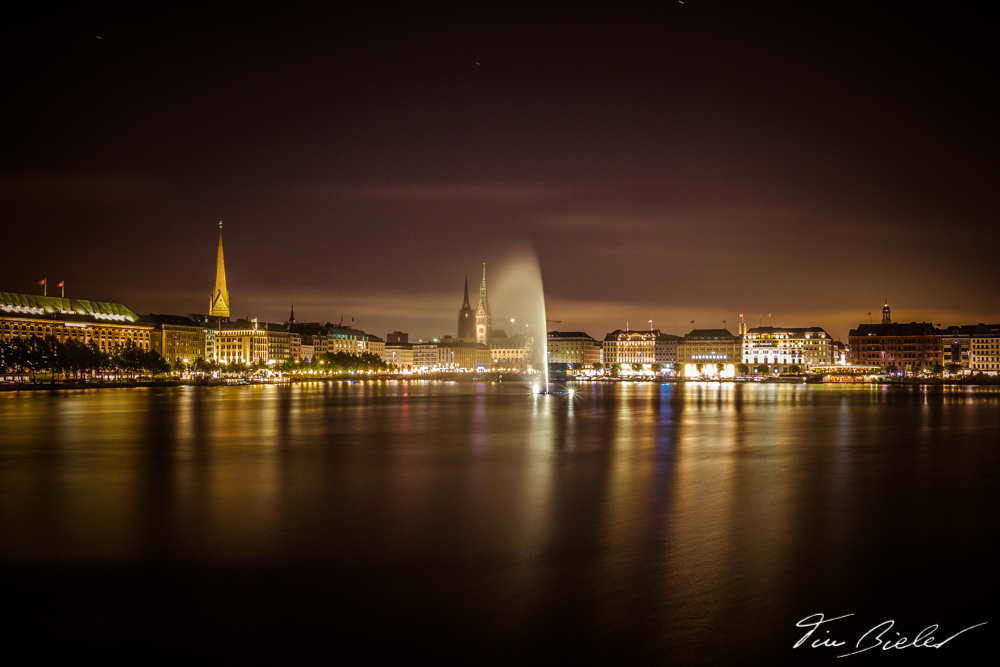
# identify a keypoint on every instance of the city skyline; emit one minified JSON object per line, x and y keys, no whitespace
{"x":691,"y":164}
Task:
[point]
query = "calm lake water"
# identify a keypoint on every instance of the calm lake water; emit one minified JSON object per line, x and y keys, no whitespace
{"x":674,"y":524}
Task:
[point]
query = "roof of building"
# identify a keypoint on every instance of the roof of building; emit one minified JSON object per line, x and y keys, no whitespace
{"x":621,"y":334}
{"x":172,"y":320}
{"x":244,"y":325}
{"x":569,"y":334}
{"x":710,"y":334}
{"x":896,"y":329}
{"x":517,"y":340}
{"x":344,"y":331}
{"x":791,"y":332}
{"x":960,"y":330}
{"x":54,"y":307}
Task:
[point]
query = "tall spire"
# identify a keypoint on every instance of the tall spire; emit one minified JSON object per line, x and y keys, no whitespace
{"x":219,"y":305}
{"x":466,"y":316}
{"x":484,"y":319}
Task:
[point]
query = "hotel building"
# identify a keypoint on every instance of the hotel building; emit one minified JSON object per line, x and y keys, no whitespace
{"x":710,"y":347}
{"x":627,"y":347}
{"x":108,"y":325}
{"x":778,"y":348}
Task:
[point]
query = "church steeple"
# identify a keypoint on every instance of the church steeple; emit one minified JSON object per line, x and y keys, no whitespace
{"x":886,"y":318}
{"x":484,"y":319}
{"x":466,"y":316}
{"x":483,"y":297}
{"x":219,"y":305}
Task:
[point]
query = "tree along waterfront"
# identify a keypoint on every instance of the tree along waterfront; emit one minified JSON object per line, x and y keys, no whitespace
{"x":72,"y":361}
{"x":35,"y":356}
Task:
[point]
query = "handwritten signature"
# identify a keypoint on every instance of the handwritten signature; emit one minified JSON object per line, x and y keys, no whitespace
{"x":874,"y":638}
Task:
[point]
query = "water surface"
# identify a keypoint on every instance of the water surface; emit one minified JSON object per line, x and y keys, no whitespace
{"x":674,"y":524}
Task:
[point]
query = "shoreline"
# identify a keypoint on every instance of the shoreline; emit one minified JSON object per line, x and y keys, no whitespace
{"x":478,"y":379}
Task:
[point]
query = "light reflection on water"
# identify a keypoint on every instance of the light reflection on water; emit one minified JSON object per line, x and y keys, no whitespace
{"x":647,"y":514}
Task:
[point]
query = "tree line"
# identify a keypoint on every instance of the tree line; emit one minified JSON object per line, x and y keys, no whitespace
{"x":328,"y":363}
{"x":32,"y":356}
{"x":35,"y":356}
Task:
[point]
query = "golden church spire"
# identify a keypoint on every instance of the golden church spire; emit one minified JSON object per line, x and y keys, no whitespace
{"x":219,"y":306}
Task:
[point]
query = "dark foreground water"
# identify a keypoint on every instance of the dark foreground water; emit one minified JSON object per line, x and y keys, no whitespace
{"x":477,"y":523}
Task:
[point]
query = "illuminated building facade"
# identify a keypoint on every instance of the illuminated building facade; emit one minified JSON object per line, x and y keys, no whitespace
{"x":177,"y":337}
{"x":453,"y":354}
{"x":313,"y":339}
{"x":515,"y":352}
{"x":896,"y":344}
{"x":108,"y":325}
{"x":425,"y":355}
{"x":709,"y":347}
{"x":398,"y":350}
{"x":353,"y":341}
{"x":779,"y":347}
{"x":574,"y":347}
{"x":955,"y":345}
{"x":666,"y":350}
{"x":984,"y":349}
{"x":627,"y":347}
{"x":251,"y":342}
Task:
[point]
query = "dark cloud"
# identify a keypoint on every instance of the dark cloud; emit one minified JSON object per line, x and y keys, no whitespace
{"x":683,"y":162}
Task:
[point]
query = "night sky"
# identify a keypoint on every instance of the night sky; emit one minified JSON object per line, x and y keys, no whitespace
{"x":689,"y":162}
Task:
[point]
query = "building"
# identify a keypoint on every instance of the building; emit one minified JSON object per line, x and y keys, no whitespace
{"x":889,"y":343}
{"x":342,"y":338}
{"x":178,"y":337}
{"x":955,"y":345}
{"x":984,"y":349}
{"x":399,"y":350}
{"x":466,"y":315}
{"x":484,"y":317}
{"x":779,"y":347}
{"x":425,"y":355}
{"x":252,"y":342}
{"x":454,"y":354}
{"x":666,"y":350}
{"x":313,"y":339}
{"x":107,"y":325}
{"x":219,"y":304}
{"x":512,"y":352}
{"x":573,"y":347}
{"x":626,"y":347}
{"x":709,"y":347}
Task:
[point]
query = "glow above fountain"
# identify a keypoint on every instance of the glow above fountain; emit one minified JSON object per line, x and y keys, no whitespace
{"x":518,"y":298}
